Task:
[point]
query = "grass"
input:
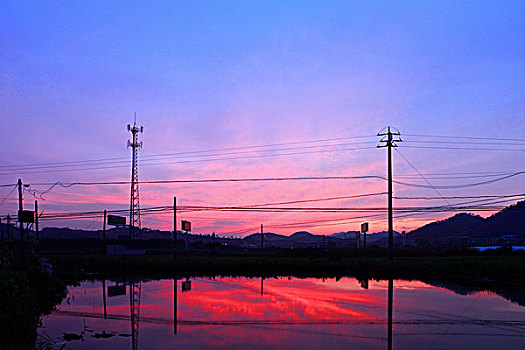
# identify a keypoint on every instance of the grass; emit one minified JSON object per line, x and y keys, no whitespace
{"x":503,"y":268}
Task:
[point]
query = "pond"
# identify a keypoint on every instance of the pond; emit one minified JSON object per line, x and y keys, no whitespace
{"x":284,"y":312}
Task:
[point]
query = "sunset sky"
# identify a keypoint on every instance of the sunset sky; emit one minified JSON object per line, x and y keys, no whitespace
{"x":220,"y":76}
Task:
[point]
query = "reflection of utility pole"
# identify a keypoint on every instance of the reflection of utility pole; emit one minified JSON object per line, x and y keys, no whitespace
{"x":390,"y":308}
{"x":389,"y":142}
{"x":104,"y":296}
{"x":262,"y":285}
{"x":175,"y":305}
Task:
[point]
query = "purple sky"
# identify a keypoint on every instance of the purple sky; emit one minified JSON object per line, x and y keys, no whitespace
{"x":217,"y":75}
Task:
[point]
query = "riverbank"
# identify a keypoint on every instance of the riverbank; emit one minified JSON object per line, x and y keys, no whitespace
{"x":28,"y":290}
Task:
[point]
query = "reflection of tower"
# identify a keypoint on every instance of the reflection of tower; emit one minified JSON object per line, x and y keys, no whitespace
{"x":134,"y":305}
{"x":134,"y":204}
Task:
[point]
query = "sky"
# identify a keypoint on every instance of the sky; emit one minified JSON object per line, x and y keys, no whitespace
{"x":227,"y":75}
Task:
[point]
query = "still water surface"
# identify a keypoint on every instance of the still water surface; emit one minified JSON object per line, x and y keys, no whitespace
{"x":290,"y":313}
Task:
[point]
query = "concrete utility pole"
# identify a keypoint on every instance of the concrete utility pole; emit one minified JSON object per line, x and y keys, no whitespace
{"x":104,"y":232}
{"x":20,"y":208}
{"x":389,"y":142}
{"x":175,"y":228}
{"x":36,"y":222}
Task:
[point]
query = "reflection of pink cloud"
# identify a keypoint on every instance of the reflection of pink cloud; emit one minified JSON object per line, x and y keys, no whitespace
{"x":291,"y":312}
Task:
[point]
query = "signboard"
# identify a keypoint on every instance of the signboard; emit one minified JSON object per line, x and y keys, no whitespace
{"x":26,"y":216}
{"x":186,"y":225}
{"x":113,"y":291}
{"x":357,"y":234}
{"x":116,"y":220}
{"x":364,"y":227}
{"x":186,"y":286}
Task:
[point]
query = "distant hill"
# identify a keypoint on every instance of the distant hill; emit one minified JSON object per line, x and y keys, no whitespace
{"x":458,"y":225}
{"x":301,"y":235}
{"x":509,"y":221}
{"x":344,"y":235}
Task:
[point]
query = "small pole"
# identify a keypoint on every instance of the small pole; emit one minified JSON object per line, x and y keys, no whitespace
{"x":175,"y":231}
{"x":36,"y":222}
{"x":2,"y":230}
{"x":187,"y":234}
{"x":20,"y":208}
{"x":262,"y":237}
{"x":323,"y":241}
{"x":104,"y":232}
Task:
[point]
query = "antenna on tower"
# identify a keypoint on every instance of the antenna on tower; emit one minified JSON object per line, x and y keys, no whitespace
{"x":134,"y":203}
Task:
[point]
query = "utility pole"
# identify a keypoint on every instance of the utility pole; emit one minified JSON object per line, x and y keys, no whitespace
{"x":134,"y":203}
{"x":20,"y":208}
{"x":389,"y":142}
{"x":104,"y":232}
{"x":36,"y":222}
{"x":175,"y":230}
{"x":262,"y":237}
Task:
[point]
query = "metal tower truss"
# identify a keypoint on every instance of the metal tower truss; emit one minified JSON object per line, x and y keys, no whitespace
{"x":134,"y":305}
{"x":134,"y":203}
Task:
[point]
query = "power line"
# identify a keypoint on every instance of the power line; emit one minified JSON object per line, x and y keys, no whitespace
{"x":167,"y":155}
{"x":467,"y":148}
{"x":467,"y":137}
{"x":469,"y":143}
{"x":299,"y":178}
{"x":193,"y":161}
{"x":9,"y":194}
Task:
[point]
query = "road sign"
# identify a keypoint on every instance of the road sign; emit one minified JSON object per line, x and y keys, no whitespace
{"x":186,"y":225}
{"x":113,"y":291}
{"x":364,"y":227}
{"x":26,"y":216}
{"x":116,"y":220}
{"x":186,"y":286}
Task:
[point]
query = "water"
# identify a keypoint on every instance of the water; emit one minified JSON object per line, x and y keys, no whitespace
{"x":289,"y":313}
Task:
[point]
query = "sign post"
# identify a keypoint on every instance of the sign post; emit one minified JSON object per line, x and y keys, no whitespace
{"x":186,"y":226}
{"x":364,"y":230}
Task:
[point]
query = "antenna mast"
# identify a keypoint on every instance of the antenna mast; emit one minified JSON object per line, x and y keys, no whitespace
{"x":134,"y":203}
